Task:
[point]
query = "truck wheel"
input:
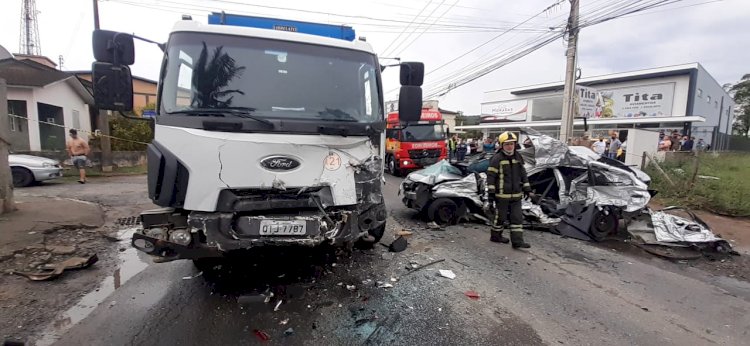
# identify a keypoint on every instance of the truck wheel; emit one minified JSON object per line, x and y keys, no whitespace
{"x":376,"y":233}
{"x":393,"y":168}
{"x":442,"y":211}
{"x":22,"y":177}
{"x":208,"y":264}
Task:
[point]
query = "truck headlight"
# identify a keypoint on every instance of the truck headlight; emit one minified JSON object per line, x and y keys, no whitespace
{"x":180,"y":236}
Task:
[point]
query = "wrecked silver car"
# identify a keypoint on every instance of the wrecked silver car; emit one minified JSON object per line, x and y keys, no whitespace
{"x":579,"y":194}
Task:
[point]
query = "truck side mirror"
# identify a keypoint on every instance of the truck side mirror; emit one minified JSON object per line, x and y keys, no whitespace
{"x":412,"y":73}
{"x":410,"y":103}
{"x":113,"y":86}
{"x":113,"y":47}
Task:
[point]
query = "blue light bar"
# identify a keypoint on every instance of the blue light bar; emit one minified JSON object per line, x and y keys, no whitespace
{"x":341,"y":32}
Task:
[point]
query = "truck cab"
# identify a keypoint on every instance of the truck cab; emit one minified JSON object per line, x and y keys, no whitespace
{"x":414,"y":145}
{"x":268,"y":132}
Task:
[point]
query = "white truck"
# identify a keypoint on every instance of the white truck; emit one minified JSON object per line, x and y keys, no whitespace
{"x":267,"y":133}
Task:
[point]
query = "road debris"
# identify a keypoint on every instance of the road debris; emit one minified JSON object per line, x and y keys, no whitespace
{"x":398,"y":245}
{"x":424,"y":266}
{"x":261,"y":335}
{"x":54,"y":270}
{"x":472,"y":295}
{"x":61,"y":249}
{"x":433,"y":225}
{"x":367,"y":282}
{"x":192,"y":277}
{"x":351,"y":287}
{"x":284,"y":322}
{"x":382,"y":284}
{"x":276,"y":308}
{"x":289,"y":332}
{"x":447,"y":274}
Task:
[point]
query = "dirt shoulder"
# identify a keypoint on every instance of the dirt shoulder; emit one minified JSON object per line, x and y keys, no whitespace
{"x":54,"y":223}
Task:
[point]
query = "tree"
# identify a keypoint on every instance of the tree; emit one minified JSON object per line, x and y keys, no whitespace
{"x":741,"y":96}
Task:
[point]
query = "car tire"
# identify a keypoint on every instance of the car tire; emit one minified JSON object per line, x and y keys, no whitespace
{"x":442,"y":211}
{"x":393,"y":168}
{"x":603,"y":225}
{"x":22,"y":177}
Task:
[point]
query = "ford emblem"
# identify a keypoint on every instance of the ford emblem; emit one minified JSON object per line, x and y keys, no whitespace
{"x":279,"y":163}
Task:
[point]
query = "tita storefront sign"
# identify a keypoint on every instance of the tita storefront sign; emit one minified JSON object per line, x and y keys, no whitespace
{"x":505,"y":111}
{"x":654,"y":100}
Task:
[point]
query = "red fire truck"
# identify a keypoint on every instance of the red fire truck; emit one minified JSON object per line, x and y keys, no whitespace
{"x":414,"y":145}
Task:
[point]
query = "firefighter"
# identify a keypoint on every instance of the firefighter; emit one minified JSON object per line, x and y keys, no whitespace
{"x":507,"y":184}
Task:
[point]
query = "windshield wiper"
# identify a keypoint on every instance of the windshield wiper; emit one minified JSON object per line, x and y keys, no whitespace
{"x":336,"y":114}
{"x":240,"y":112}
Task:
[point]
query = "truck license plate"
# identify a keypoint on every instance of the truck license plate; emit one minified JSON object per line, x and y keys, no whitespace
{"x":282,"y":227}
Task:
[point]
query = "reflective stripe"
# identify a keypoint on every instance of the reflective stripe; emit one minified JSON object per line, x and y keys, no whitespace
{"x":516,"y":230}
{"x":526,"y":184}
{"x":504,"y":162}
{"x":513,"y":227}
{"x":492,"y":169}
{"x":509,"y":195}
{"x":491,"y":187}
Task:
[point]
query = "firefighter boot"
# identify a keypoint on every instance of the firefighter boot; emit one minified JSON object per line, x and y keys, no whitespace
{"x":516,"y":239}
{"x":496,"y":235}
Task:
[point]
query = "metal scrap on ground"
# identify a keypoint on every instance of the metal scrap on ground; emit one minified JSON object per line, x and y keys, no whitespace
{"x":54,"y":270}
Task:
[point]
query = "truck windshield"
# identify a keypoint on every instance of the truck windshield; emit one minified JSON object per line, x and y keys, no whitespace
{"x":274,"y":79}
{"x":423,"y":132}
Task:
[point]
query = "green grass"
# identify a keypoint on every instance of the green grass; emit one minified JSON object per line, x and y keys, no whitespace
{"x":730,"y":195}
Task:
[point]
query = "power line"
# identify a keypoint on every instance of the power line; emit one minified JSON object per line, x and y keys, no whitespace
{"x":407,"y":27}
{"x":415,"y":30}
{"x":425,"y":30}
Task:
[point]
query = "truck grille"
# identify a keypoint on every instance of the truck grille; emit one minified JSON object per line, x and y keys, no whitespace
{"x":424,"y":154}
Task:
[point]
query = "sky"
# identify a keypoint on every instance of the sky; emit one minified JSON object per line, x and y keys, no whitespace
{"x":444,"y":34}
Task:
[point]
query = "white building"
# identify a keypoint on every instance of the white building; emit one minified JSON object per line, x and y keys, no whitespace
{"x":43,"y":103}
{"x":684,"y":98}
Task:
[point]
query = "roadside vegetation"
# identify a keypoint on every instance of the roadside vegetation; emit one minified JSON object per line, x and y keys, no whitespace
{"x":721,"y":185}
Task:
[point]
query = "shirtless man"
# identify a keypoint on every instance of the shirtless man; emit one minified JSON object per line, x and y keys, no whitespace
{"x":77,"y":150}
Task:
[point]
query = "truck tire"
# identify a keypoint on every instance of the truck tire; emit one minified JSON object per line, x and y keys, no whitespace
{"x":376,"y":233}
{"x":393,"y":167}
{"x":22,"y":177}
{"x":442,"y":211}
{"x":208,"y":264}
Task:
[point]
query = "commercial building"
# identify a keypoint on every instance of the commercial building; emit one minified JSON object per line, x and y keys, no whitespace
{"x":685,"y":98}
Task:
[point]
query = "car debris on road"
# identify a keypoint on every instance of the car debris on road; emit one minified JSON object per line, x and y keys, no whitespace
{"x":54,"y":270}
{"x":579,"y":194}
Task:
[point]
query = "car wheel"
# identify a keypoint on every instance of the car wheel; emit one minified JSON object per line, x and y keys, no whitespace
{"x":22,"y":177}
{"x":442,"y":211}
{"x":392,"y":168}
{"x":603,"y":225}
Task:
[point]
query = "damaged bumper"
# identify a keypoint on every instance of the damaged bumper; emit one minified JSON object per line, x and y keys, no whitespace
{"x":203,"y":235}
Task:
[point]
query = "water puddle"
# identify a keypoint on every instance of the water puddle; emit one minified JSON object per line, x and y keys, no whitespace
{"x":130,"y":263}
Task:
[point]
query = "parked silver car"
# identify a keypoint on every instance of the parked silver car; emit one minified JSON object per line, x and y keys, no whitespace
{"x":29,"y":169}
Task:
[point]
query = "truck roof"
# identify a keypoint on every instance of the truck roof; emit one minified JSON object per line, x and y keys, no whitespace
{"x":195,"y":26}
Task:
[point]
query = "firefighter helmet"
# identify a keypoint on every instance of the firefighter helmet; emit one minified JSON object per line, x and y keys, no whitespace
{"x":507,"y":137}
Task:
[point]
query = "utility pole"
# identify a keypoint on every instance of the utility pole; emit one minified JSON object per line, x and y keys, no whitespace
{"x":566,"y":126}
{"x":6,"y":181}
{"x":96,"y":14}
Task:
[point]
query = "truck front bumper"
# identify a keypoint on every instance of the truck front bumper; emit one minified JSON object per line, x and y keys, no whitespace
{"x":215,"y":234}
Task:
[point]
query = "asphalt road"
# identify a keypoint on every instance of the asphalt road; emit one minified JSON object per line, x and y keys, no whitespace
{"x":561,"y":291}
